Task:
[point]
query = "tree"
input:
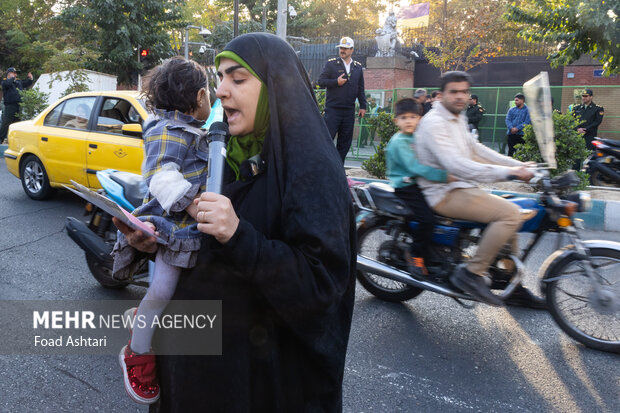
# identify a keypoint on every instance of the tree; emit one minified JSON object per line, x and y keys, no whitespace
{"x":578,"y":27}
{"x":468,"y":33}
{"x":118,"y":29}
{"x":27,"y":42}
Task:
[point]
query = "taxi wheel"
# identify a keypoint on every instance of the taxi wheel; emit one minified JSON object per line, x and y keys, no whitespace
{"x":34,"y":179}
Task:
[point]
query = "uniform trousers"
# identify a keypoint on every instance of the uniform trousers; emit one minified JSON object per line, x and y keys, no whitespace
{"x":340,"y":121}
{"x":9,"y":115}
{"x":503,"y":219}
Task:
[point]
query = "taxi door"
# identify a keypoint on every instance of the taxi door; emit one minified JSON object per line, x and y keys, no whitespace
{"x":62,"y":140}
{"x":107,"y":146}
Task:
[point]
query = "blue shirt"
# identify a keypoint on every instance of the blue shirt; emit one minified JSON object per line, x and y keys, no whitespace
{"x":402,"y":163}
{"x":517,"y":118}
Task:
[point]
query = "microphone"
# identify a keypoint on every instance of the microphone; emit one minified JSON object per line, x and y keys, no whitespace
{"x":217,"y":137}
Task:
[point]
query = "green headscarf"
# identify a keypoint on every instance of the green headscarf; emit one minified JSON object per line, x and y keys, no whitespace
{"x":241,"y":148}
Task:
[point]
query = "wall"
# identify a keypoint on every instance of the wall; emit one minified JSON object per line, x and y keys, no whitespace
{"x":96,"y":82}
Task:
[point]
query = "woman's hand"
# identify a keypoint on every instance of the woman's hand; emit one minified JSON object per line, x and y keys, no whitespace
{"x":216,"y":216}
{"x":137,"y":238}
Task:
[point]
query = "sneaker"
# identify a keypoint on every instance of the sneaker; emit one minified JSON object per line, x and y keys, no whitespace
{"x":474,"y":285}
{"x":416,"y":266}
{"x":140,"y":375}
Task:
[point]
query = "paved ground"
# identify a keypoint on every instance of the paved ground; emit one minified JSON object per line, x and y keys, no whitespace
{"x":426,"y":355}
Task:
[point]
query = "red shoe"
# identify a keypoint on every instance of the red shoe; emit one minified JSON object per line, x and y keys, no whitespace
{"x":140,"y":375}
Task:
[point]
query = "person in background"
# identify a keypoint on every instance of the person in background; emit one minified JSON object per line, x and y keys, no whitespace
{"x":420,"y":97}
{"x":343,"y":80}
{"x":590,"y":115}
{"x":11,"y":97}
{"x":435,"y":97}
{"x":475,"y":112}
{"x":516,"y":119}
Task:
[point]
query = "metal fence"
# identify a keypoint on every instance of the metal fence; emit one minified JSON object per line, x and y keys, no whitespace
{"x":496,"y":102}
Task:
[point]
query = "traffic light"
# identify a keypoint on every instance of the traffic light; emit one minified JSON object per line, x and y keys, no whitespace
{"x":144,"y":53}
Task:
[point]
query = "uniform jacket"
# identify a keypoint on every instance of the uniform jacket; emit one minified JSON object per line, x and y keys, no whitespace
{"x":402,"y":163}
{"x":475,"y":114}
{"x":343,"y":97}
{"x":591,"y":117}
{"x":10,"y":89}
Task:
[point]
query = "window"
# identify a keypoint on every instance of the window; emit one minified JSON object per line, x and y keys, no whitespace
{"x":114,"y":114}
{"x":52,"y":118}
{"x":76,"y":113}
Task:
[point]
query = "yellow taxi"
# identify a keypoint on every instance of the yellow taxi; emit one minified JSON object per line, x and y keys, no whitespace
{"x":74,"y":138}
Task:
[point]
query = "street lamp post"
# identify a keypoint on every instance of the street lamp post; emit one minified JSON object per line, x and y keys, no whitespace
{"x":203,"y":32}
{"x":284,"y":11}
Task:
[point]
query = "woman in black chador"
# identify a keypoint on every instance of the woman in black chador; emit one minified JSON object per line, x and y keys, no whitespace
{"x":279,"y":249}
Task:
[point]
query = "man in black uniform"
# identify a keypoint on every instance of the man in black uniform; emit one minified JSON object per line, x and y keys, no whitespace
{"x":591,"y":116}
{"x":10,"y":94}
{"x":343,"y":79}
{"x":475,"y":112}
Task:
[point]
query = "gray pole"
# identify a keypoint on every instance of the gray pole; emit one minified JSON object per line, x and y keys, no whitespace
{"x":281,"y":22}
{"x":187,"y":43}
{"x":236,"y":20}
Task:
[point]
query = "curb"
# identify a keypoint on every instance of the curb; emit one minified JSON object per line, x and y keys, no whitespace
{"x":604,"y":215}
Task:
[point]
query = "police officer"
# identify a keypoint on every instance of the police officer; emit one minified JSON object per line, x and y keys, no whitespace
{"x":10,"y":94}
{"x":591,"y":116}
{"x":343,"y":80}
{"x":475,"y":112}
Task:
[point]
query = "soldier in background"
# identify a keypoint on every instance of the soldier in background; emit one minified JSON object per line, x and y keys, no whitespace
{"x":475,"y":112}
{"x":591,"y":116}
{"x":343,"y":80}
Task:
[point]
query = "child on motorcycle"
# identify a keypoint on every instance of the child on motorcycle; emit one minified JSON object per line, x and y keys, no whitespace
{"x":402,"y":169}
{"x":175,"y":171}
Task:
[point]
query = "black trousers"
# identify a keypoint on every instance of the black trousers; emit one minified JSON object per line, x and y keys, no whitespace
{"x":9,"y":115}
{"x":340,"y":121}
{"x":512,"y":141}
{"x":423,"y":214}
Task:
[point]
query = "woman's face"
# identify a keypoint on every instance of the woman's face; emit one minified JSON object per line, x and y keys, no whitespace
{"x":239,"y":91}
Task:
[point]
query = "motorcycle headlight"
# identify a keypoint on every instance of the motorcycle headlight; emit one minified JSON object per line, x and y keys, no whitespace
{"x":585,"y":201}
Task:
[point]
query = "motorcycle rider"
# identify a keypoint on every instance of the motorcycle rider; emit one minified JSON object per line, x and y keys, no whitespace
{"x":444,"y":142}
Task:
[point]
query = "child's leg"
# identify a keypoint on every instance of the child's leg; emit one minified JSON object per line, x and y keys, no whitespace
{"x":160,"y":292}
{"x":423,"y":215}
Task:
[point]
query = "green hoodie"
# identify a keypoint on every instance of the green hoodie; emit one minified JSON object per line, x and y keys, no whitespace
{"x":402,"y":162}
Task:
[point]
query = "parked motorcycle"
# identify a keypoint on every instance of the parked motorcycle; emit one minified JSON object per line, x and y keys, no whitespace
{"x":581,"y":281}
{"x":97,"y":235}
{"x":603,"y":164}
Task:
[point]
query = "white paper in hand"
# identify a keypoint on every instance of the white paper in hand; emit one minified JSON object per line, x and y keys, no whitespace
{"x":538,"y":100}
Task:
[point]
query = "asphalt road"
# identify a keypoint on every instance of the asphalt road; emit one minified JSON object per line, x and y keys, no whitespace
{"x":426,"y":355}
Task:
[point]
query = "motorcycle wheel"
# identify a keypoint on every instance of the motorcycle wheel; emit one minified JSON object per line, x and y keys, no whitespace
{"x":598,"y":179}
{"x":103,"y":273}
{"x":589,"y":317}
{"x":369,"y":241}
